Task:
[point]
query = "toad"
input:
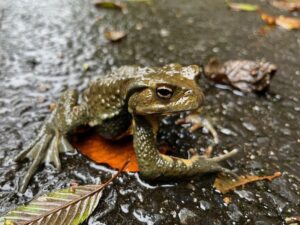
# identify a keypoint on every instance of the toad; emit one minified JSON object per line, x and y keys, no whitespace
{"x":129,"y":100}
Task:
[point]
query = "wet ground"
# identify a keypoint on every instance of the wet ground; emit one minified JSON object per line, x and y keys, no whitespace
{"x":44,"y":46}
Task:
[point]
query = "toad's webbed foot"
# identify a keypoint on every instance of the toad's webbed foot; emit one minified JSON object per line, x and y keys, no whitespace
{"x":45,"y":148}
{"x":51,"y":139}
{"x":214,"y":163}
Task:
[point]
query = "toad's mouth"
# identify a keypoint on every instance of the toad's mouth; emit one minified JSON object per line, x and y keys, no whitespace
{"x":154,"y":119}
{"x":164,"y":113}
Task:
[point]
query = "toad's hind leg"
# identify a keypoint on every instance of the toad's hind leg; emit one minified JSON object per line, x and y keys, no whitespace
{"x":51,"y":139}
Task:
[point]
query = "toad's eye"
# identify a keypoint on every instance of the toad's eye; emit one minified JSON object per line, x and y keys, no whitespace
{"x":164,"y":92}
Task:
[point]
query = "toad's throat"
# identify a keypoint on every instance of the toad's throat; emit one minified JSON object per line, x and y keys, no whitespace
{"x":154,"y":119}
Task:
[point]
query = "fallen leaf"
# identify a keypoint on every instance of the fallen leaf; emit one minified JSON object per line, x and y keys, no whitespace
{"x":65,"y":206}
{"x":110,"y":152}
{"x":103,"y":151}
{"x":114,"y":35}
{"x":292,"y":220}
{"x":244,"y":75}
{"x":110,"y":4}
{"x":270,"y":20}
{"x":288,"y":23}
{"x":225,"y":184}
{"x":242,"y":6}
{"x":290,"y":5}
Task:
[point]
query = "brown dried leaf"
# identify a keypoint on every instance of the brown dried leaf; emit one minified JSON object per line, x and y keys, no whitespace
{"x":225,"y":184}
{"x":114,"y":35}
{"x":288,"y":23}
{"x":290,"y":5}
{"x":292,"y":220}
{"x":245,"y":75}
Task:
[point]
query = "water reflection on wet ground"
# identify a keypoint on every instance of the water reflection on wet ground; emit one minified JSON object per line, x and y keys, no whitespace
{"x":43,"y":47}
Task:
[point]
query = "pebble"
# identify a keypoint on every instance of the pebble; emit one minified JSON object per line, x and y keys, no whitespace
{"x":185,"y":215}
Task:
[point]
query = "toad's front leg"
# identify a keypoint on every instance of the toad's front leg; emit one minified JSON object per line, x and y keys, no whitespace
{"x":152,"y":164}
{"x":51,"y":139}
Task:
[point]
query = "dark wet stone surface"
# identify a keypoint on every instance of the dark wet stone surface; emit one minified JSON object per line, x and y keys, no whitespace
{"x":44,"y":46}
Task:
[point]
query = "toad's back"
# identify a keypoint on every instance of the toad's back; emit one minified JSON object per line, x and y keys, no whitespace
{"x":105,"y":99}
{"x":106,"y":96}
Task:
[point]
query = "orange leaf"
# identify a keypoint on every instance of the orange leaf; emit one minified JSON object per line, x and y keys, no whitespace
{"x":225,"y":184}
{"x":113,"y":153}
{"x":270,"y":20}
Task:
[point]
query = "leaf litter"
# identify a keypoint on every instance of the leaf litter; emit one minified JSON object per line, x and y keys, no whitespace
{"x":286,"y":22}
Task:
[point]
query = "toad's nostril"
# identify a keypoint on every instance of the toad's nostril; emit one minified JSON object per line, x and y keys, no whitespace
{"x":189,"y":92}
